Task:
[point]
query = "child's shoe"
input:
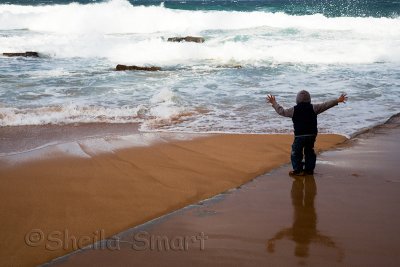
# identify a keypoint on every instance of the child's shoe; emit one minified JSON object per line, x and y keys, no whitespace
{"x":296,"y":173}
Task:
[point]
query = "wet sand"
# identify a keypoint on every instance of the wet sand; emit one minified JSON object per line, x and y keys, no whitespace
{"x":346,"y":214}
{"x":65,"y":196}
{"x":16,"y":139}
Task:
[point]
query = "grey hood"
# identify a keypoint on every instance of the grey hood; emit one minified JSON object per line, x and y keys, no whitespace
{"x":303,"y":97}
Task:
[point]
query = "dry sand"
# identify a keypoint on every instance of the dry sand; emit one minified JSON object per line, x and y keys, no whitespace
{"x":67,"y":197}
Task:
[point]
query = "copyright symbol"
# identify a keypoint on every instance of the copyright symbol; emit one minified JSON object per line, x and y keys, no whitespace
{"x":34,"y":237}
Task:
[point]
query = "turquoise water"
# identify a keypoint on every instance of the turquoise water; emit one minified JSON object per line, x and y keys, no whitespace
{"x":333,"y":8}
{"x":326,"y":47}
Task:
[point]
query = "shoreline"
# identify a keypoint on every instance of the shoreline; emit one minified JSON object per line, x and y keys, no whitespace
{"x":25,"y":138}
{"x":28,"y":138}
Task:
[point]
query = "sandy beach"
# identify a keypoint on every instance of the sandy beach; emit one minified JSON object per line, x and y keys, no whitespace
{"x":162,"y":131}
{"x":90,"y":189}
{"x":346,"y":214}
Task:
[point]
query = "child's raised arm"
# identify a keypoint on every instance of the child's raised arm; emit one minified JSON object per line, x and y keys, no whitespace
{"x":319,"y":108}
{"x":278,"y":108}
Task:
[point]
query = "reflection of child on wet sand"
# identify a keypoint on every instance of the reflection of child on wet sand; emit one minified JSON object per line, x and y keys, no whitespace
{"x":304,"y":229}
{"x":304,"y":116}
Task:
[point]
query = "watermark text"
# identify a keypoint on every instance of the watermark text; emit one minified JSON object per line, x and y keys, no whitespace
{"x":139,"y":241}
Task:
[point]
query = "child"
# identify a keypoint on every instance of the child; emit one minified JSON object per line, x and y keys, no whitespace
{"x":304,"y":117}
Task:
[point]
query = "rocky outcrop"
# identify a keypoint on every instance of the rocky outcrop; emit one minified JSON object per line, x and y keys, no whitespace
{"x":125,"y":67}
{"x":187,"y":39}
{"x":25,"y":54}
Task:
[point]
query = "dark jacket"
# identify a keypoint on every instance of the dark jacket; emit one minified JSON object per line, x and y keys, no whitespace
{"x":304,"y":114}
{"x":304,"y":119}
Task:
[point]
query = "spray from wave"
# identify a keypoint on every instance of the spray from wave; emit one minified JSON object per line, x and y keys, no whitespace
{"x":129,"y":34}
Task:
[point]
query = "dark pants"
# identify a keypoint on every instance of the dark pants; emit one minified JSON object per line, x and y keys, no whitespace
{"x":305,"y":143}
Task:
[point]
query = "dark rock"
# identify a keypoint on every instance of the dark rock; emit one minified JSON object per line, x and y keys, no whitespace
{"x":187,"y":39}
{"x":230,"y":66}
{"x":125,"y":67}
{"x":26,"y":54}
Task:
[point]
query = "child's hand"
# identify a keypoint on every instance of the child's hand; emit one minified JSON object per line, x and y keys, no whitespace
{"x":342,"y":98}
{"x":271,"y":99}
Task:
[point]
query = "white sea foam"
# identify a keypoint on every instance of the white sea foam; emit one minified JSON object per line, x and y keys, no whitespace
{"x":119,"y":16}
{"x":125,"y":33}
{"x":66,"y":114}
{"x":163,"y":107}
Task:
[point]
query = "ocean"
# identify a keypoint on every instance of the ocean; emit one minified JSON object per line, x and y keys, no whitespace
{"x":251,"y":49}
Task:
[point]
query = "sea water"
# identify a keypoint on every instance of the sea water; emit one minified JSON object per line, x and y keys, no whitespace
{"x":251,"y":49}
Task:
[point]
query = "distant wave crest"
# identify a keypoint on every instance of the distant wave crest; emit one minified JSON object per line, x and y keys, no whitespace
{"x":124,"y":33}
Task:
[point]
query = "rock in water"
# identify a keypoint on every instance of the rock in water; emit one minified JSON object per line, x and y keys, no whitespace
{"x":26,"y":54}
{"x":125,"y":67}
{"x":187,"y":39}
{"x":230,"y":66}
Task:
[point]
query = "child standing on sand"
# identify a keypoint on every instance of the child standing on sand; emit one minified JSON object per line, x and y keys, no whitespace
{"x":304,"y":117}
